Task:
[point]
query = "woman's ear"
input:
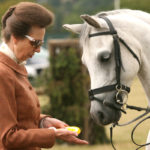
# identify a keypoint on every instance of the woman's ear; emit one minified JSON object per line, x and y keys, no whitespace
{"x":13,"y":39}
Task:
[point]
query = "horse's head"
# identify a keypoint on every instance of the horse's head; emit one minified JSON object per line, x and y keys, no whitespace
{"x":99,"y":56}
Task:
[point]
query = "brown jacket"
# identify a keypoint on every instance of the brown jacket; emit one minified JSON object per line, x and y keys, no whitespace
{"x":20,"y":110}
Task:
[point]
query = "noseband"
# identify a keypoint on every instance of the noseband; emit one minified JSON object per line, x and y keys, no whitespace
{"x":118,"y":86}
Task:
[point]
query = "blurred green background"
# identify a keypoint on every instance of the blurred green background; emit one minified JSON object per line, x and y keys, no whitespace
{"x":69,"y":11}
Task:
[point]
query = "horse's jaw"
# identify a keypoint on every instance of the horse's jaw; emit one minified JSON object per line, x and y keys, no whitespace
{"x":103,"y":115}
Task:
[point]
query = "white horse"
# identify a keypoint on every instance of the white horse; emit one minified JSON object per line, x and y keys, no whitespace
{"x":133,"y":27}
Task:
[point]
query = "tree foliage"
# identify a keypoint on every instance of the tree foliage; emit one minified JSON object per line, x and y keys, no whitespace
{"x":69,"y":11}
{"x":66,"y":87}
{"x":136,"y":4}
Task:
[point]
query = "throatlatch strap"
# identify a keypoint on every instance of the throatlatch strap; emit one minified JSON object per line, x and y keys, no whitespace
{"x":129,"y":49}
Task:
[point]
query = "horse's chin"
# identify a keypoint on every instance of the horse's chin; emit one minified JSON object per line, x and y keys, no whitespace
{"x":104,"y":115}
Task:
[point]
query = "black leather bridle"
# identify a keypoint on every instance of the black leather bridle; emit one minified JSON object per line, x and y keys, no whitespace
{"x":118,"y":86}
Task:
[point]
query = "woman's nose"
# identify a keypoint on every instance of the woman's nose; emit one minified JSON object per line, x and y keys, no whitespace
{"x":38,"y":49}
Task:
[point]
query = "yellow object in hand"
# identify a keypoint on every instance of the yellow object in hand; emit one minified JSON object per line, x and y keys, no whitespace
{"x":73,"y":128}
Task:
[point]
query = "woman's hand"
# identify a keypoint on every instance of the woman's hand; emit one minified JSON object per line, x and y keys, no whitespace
{"x":61,"y":132}
{"x":68,"y":136}
{"x":53,"y":122}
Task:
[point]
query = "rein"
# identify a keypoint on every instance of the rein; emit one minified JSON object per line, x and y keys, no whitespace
{"x":147,"y":110}
{"x":118,"y":87}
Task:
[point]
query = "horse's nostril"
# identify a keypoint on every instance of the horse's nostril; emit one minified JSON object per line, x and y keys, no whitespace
{"x":100,"y":115}
{"x":103,"y":119}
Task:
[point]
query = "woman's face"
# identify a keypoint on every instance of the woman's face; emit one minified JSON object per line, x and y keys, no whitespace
{"x":23,"y":48}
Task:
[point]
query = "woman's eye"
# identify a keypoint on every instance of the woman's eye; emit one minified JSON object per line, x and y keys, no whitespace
{"x":105,"y":56}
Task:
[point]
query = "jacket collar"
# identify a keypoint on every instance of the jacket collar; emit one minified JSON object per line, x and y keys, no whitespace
{"x":12,"y":64}
{"x":7,"y":51}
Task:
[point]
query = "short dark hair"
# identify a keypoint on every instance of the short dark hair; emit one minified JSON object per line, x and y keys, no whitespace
{"x":19,"y":19}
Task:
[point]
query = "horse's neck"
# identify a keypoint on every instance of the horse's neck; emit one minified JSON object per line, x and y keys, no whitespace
{"x":143,"y":37}
{"x":144,"y":73}
{"x":144,"y":76}
{"x":140,"y":31}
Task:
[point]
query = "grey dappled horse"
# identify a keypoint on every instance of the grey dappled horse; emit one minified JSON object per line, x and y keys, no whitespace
{"x":98,"y":56}
{"x":116,"y":49}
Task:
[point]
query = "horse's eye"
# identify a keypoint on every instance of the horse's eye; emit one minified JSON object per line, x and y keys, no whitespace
{"x":105,"y":56}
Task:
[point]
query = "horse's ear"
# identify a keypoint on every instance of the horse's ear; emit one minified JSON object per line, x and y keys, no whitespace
{"x":76,"y":28}
{"x":94,"y":21}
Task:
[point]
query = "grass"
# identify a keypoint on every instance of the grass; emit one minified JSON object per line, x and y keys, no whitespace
{"x":121,"y":135}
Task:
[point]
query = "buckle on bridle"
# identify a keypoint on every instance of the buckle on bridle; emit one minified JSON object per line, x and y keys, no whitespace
{"x":123,"y":93}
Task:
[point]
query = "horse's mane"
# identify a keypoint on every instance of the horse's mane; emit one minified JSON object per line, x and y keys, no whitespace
{"x":144,"y":16}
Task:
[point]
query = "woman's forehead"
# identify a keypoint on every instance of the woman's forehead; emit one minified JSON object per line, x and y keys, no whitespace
{"x":37,"y":32}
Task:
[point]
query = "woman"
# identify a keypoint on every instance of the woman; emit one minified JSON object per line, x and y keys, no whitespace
{"x":22,"y":127}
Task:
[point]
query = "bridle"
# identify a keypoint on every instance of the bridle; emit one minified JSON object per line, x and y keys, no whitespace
{"x":118,"y":86}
